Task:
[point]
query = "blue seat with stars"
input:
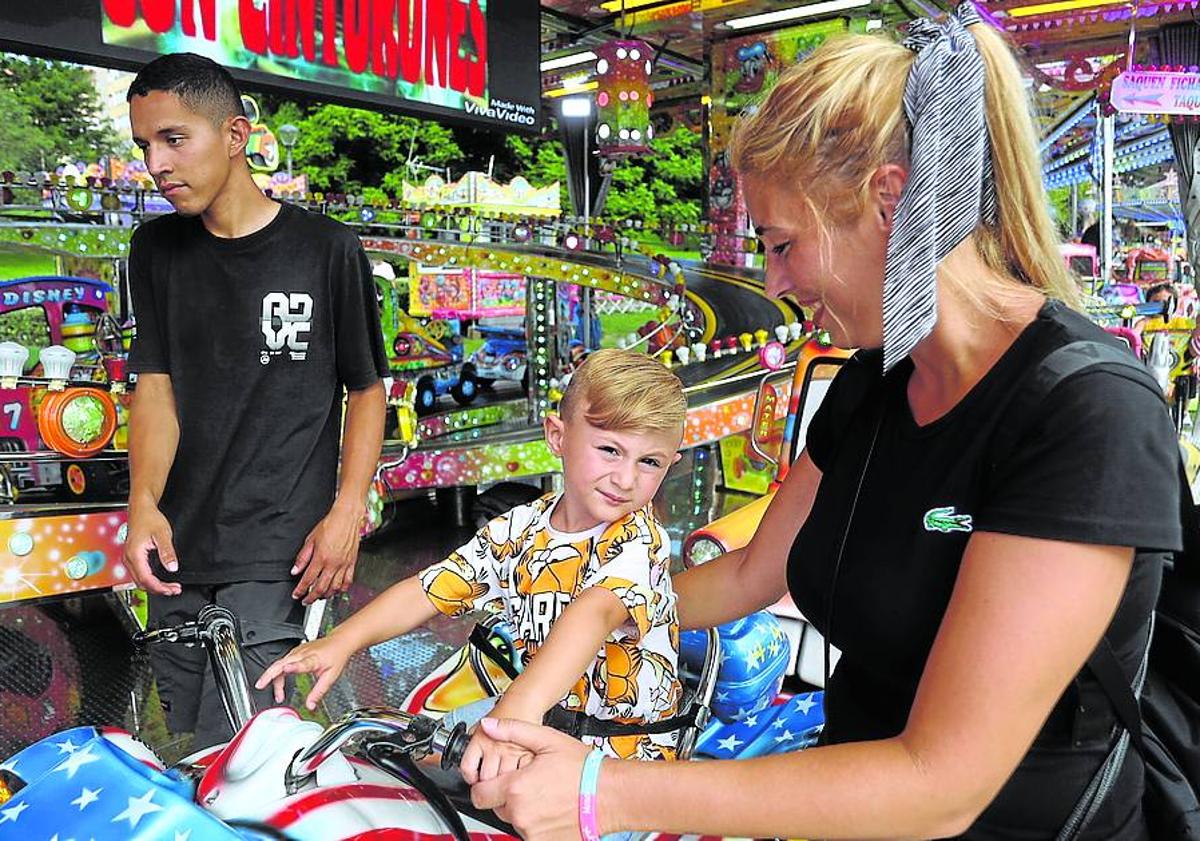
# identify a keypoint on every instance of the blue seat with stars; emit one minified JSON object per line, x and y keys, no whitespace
{"x":754,"y":659}
{"x":791,"y":723}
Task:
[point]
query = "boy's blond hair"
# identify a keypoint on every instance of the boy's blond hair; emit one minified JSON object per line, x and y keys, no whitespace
{"x":624,"y":391}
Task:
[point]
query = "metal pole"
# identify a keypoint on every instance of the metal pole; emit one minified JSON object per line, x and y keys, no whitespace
{"x":1106,"y":226}
{"x":289,"y":151}
{"x":587,"y":196}
{"x":1075,"y":209}
{"x":585,"y":304}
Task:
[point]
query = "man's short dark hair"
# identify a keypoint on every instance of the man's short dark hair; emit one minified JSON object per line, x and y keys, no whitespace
{"x":201,"y":84}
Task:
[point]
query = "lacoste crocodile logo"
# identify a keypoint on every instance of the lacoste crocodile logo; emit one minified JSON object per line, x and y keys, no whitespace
{"x":945,"y":520}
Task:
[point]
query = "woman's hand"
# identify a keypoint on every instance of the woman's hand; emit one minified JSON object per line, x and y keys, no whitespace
{"x":541,"y":799}
{"x":486,"y":758}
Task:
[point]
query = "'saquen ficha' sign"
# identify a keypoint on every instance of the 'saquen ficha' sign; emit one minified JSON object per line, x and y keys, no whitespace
{"x":1156,"y":92}
{"x":432,"y":57}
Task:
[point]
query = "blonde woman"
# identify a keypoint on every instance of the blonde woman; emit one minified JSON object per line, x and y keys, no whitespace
{"x":896,"y":190}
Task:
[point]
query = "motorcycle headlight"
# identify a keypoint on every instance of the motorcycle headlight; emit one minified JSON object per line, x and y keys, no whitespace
{"x":702,"y":550}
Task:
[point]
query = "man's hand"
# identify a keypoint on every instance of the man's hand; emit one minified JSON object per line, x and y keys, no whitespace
{"x":485,"y":758}
{"x":329,"y":553}
{"x":149,"y":529}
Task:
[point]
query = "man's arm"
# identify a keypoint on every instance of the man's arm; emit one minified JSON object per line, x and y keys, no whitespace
{"x":329,"y":553}
{"x":153,"y":439}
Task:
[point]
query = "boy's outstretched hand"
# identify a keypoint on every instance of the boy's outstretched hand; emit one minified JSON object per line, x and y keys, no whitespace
{"x":325,"y":657}
{"x":485,"y":758}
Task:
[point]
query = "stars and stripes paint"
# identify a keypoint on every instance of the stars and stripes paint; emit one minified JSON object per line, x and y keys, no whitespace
{"x":791,"y":723}
{"x":753,"y":661}
{"x":87,"y":784}
{"x":79,"y":784}
{"x":101,"y":784}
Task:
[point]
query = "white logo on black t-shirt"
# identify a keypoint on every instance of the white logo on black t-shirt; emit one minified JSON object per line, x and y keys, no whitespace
{"x":285,"y":316}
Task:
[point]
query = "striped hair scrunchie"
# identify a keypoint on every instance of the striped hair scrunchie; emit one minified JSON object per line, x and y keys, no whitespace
{"x":950,"y":186}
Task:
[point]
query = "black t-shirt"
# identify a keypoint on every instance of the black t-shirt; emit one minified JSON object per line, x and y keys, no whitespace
{"x":1097,"y":464}
{"x":259,"y":335}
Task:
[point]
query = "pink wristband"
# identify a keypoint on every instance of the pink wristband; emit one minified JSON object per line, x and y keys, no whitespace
{"x":589,"y":781}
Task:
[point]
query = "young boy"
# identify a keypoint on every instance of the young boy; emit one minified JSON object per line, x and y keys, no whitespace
{"x":582,"y":576}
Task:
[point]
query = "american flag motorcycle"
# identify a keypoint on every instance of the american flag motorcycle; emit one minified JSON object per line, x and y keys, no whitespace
{"x":370,"y":776}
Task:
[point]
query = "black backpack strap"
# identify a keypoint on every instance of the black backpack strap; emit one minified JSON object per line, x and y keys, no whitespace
{"x":578,"y":724}
{"x":1118,"y":689}
{"x":1186,"y":561}
{"x":1057,"y":366}
{"x":1103,"y":662}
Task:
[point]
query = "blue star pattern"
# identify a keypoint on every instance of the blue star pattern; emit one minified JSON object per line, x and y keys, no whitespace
{"x":791,"y":723}
{"x":78,"y":784}
{"x":754,"y":657}
{"x":42,"y":757}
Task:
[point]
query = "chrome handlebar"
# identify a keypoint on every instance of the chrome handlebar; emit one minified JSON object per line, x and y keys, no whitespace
{"x":216,"y":628}
{"x":417,"y":735}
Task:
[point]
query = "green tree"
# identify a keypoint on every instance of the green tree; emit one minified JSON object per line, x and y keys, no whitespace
{"x":20,"y":146}
{"x":344,"y":149}
{"x":664,"y":187}
{"x":539,"y":159}
{"x":1060,"y":205}
{"x":59,"y":104}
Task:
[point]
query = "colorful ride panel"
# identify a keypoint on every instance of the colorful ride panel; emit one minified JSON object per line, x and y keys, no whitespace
{"x":61,"y":551}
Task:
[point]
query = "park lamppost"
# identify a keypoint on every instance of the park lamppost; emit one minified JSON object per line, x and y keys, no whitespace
{"x":288,"y":134}
{"x":580,"y":108}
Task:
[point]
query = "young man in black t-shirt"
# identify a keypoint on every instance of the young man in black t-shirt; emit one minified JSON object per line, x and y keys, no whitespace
{"x":253,"y":319}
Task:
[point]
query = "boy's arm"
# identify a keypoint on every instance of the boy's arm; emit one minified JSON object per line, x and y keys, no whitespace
{"x":395,"y":611}
{"x":331,"y":549}
{"x":569,"y":649}
{"x":411,"y":602}
{"x":452,"y":585}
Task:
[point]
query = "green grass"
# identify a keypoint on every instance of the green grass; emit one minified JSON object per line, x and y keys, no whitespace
{"x":15,"y":264}
{"x":618,"y":324}
{"x":470,"y":345}
{"x":657,"y":245}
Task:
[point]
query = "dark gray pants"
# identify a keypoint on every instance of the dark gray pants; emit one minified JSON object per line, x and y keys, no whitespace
{"x":272,"y":623}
